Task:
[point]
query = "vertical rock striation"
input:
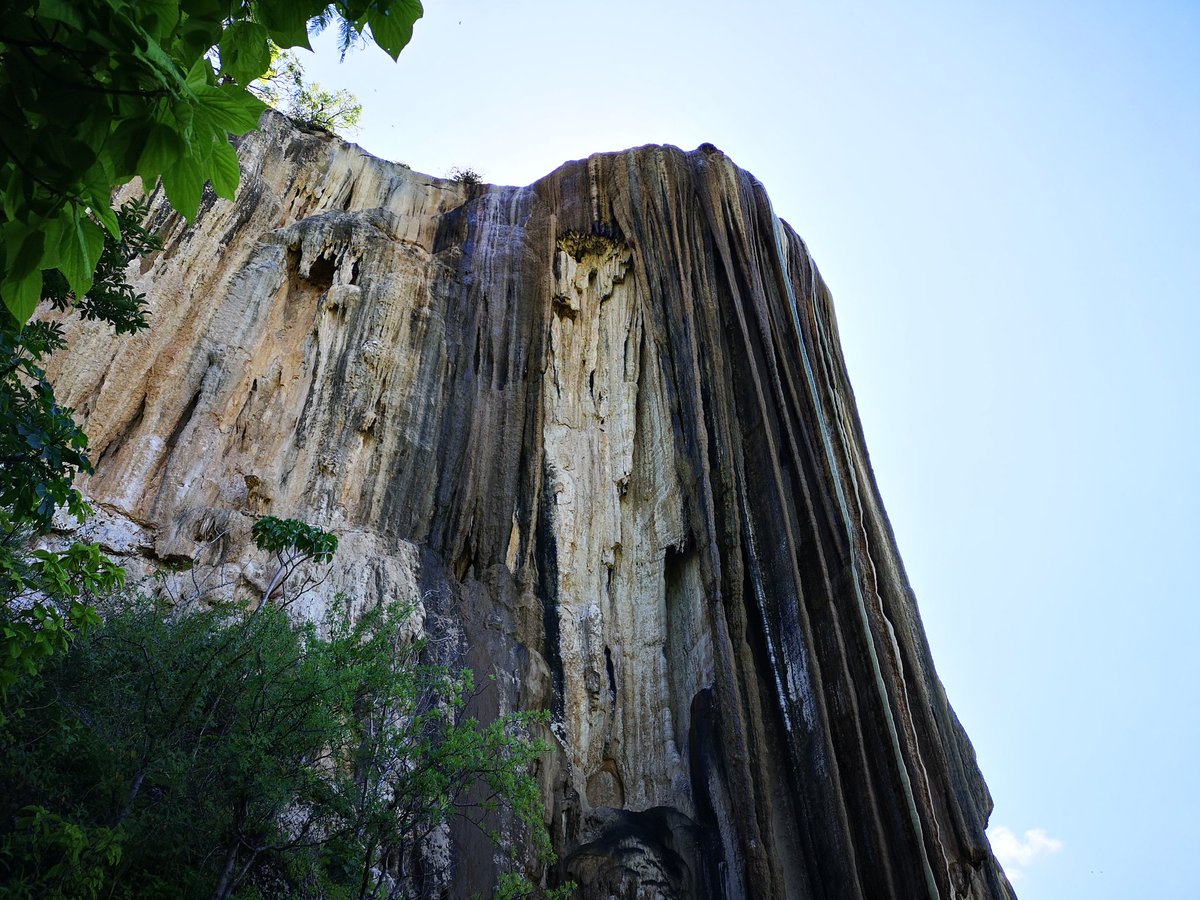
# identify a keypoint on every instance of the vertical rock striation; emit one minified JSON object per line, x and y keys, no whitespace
{"x":601,"y":425}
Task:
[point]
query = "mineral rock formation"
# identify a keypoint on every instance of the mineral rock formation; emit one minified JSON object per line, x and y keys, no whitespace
{"x":602,"y":427}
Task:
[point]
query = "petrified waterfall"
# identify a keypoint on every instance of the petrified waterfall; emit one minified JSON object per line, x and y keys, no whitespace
{"x":600,"y":430}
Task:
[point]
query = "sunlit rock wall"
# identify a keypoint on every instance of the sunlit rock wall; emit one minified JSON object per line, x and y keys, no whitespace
{"x":599,"y":429}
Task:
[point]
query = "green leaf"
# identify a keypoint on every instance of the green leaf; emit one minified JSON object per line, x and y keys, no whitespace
{"x":165,"y":69}
{"x":203,"y":9}
{"x":200,"y":75}
{"x":392,"y":26}
{"x":286,"y":21}
{"x":22,"y":295}
{"x":14,"y":194}
{"x":163,"y":148}
{"x":53,"y":237}
{"x":24,"y":249}
{"x":226,"y":171}
{"x":229,"y":108}
{"x":159,"y":17}
{"x":127,"y":144}
{"x":245,"y":51}
{"x":107,"y":216}
{"x":61,"y":11}
{"x":198,"y":36}
{"x":79,"y":250}
{"x":184,"y":183}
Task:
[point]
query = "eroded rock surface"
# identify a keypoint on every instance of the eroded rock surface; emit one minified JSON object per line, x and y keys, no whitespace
{"x":601,"y":428}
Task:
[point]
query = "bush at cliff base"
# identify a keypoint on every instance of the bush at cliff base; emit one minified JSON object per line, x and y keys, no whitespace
{"x":225,"y":753}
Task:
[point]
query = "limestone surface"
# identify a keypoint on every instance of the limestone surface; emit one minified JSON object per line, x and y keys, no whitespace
{"x":598,"y":430}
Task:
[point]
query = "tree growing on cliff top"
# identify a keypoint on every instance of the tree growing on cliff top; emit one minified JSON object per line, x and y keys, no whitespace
{"x":95,"y":93}
{"x":286,"y":87}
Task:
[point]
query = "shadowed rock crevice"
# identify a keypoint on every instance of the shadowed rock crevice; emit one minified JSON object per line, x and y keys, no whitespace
{"x":598,"y":429}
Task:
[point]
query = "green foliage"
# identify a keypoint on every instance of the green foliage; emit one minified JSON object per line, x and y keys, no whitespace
{"x":111,"y":298}
{"x":42,"y":449}
{"x":512,"y":886}
{"x":293,"y":543}
{"x":51,"y":594}
{"x":285,"y":87}
{"x":94,"y":93}
{"x":293,"y":537}
{"x":466,"y":175}
{"x":222,"y":753}
{"x":76,"y":858}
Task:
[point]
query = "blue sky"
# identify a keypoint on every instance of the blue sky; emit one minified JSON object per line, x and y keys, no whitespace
{"x":1005,"y":200}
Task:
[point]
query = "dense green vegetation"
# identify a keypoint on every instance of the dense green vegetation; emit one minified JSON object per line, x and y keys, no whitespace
{"x":194,"y":749}
{"x":224,"y":753}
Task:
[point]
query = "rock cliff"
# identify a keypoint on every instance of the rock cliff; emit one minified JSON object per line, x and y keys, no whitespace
{"x":601,"y":427}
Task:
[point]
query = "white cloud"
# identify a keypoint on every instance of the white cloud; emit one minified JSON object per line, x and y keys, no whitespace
{"x":1015,"y":854}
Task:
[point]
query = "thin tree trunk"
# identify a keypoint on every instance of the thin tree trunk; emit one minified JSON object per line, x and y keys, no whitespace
{"x":133,"y":792}
{"x":280,"y":576}
{"x":224,"y":883}
{"x":365,"y":884}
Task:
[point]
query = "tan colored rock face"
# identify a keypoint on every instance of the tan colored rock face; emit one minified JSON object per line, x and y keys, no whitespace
{"x":600,"y":427}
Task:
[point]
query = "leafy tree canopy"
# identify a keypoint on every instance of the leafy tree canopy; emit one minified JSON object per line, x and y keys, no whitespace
{"x":94,"y":93}
{"x":285,"y":87}
{"x":291,"y":537}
